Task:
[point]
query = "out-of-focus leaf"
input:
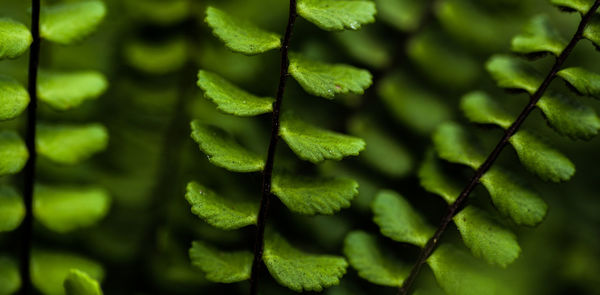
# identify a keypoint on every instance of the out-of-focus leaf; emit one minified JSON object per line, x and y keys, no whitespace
{"x":159,"y":11}
{"x":50,"y":269}
{"x":337,"y":15}
{"x":15,"y":38}
{"x":10,"y":280}
{"x":67,"y":90}
{"x":70,"y":144}
{"x":312,"y":195}
{"x":581,"y":6}
{"x":538,"y":36}
{"x":13,"y":98}
{"x":13,"y":153}
{"x":70,"y":22}
{"x":80,"y":283}
{"x":481,"y":108}
{"x":221,"y":266}
{"x":218,"y":211}
{"x":240,"y":36}
{"x":12,"y":209}
{"x":404,"y":15}
{"x":327,"y":80}
{"x":512,"y":73}
{"x":157,"y":59}
{"x":435,"y":181}
{"x":223,"y":151}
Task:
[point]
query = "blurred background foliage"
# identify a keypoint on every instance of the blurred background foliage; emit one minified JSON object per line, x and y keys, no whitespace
{"x":424,"y":56}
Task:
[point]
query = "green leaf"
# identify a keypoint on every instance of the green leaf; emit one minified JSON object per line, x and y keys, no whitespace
{"x":574,"y":5}
{"x":398,"y":220}
{"x":80,"y":283}
{"x":582,"y":80}
{"x":337,"y":15}
{"x":70,"y":22}
{"x":314,"y":144}
{"x":49,"y":270}
{"x":384,"y":153}
{"x":10,"y":279}
{"x":223,"y":151}
{"x":15,"y":38}
{"x":372,"y":265}
{"x":221,"y":266}
{"x":157,"y":58}
{"x":365,"y":48}
{"x":163,"y":13}
{"x":70,"y":144}
{"x":569,"y":117}
{"x":239,"y":35}
{"x":592,"y":30}
{"x":481,"y":108}
{"x":300,"y":271}
{"x":453,"y":144}
{"x":230,"y":99}
{"x":404,"y":15}
{"x":416,"y":108}
{"x":13,"y":98}
{"x":12,"y":209}
{"x":458,"y":273}
{"x":537,"y":157}
{"x":13,"y":153}
{"x":538,"y":37}
{"x":512,"y":73}
{"x":327,"y":80}
{"x":435,"y":181}
{"x":313,"y":195}
{"x":67,"y":90}
{"x":513,"y":199}
{"x":486,"y":238}
{"x":67,"y":208}
{"x":218,"y":211}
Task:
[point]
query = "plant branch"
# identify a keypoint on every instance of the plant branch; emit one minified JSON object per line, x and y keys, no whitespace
{"x":268,"y":170}
{"x":458,"y":205}
{"x":27,"y":227}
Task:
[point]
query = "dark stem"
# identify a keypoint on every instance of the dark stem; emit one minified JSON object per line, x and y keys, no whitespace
{"x":27,"y":228}
{"x":268,"y":170}
{"x":462,"y":198}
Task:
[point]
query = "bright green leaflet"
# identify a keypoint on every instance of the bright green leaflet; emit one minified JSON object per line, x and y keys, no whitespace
{"x":220,"y":266}
{"x":417,"y":108}
{"x":480,"y":108}
{"x":223,"y":151}
{"x":159,"y":11}
{"x":64,"y":209}
{"x":581,"y":6}
{"x":67,"y":90}
{"x":513,"y":199}
{"x":10,"y":280}
{"x":80,"y":283}
{"x":240,"y":36}
{"x":537,"y":157}
{"x":157,"y":59}
{"x":398,"y":220}
{"x":538,"y":37}
{"x":372,"y":265}
{"x":592,"y":30}
{"x":70,"y":144}
{"x":404,"y":15}
{"x":513,"y":73}
{"x":453,"y":144}
{"x":569,"y":117}
{"x":49,"y":270}
{"x":218,"y":211}
{"x":384,"y":153}
{"x":230,"y":99}
{"x":486,"y":238}
{"x":458,"y":273}
{"x":435,"y":181}
{"x":13,"y":153}
{"x":70,"y":22}
{"x":15,"y":38}
{"x":327,"y":80}
{"x":584,"y":81}
{"x":314,"y":144}
{"x":337,"y":15}
{"x":313,"y":195}
{"x":300,"y":271}
{"x":13,"y":98}
{"x":12,"y":209}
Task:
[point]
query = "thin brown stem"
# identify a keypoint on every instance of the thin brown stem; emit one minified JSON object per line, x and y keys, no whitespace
{"x":268,"y":170}
{"x":462,"y":198}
